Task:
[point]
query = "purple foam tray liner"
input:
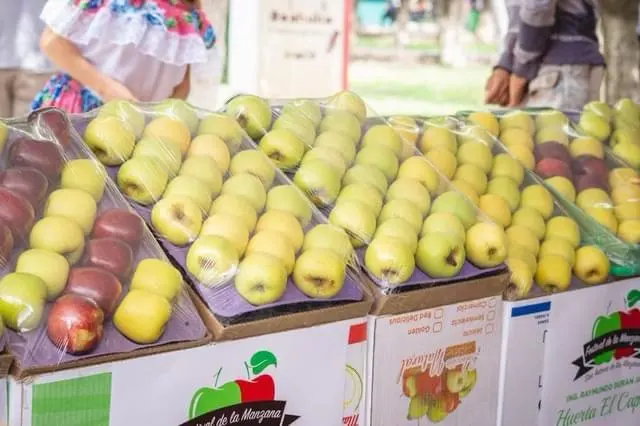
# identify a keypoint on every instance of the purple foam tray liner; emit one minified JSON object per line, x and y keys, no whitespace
{"x":34,"y":349}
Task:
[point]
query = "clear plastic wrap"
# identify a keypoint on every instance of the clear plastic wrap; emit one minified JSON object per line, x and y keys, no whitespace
{"x":246,"y":238}
{"x":406,"y":221}
{"x":82,"y":276}
{"x":595,"y":186}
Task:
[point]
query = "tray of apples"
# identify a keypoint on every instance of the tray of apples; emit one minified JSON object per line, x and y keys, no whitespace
{"x":81,"y":275}
{"x":407,"y":223}
{"x":246,"y":237}
{"x":598,"y":189}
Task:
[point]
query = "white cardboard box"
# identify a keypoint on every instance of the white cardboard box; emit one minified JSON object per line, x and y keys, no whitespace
{"x":452,"y":354}
{"x":169,"y":389}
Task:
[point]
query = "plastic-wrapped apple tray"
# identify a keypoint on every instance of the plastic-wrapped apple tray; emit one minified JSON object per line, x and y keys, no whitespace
{"x":33,"y":349}
{"x":223,"y":300}
{"x":418,"y":279}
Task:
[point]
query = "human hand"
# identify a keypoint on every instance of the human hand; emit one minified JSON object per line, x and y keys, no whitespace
{"x":517,"y":90}
{"x":114,"y":90}
{"x":496,"y":91}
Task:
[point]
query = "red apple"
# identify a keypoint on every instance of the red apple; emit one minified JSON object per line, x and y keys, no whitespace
{"x":111,"y":254}
{"x":550,"y":167}
{"x":261,"y":388}
{"x":96,"y":284}
{"x":552,"y":150}
{"x":121,"y":224}
{"x":16,"y":212}
{"x":26,"y":181}
{"x":590,"y":181}
{"x":6,"y":244}
{"x":75,"y":324}
{"x":590,"y":165}
{"x":450,"y":401}
{"x":42,"y":155}
{"x":54,"y":121}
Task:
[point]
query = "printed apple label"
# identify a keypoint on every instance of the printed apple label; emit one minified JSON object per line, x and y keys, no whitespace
{"x":248,"y":402}
{"x":353,"y":393}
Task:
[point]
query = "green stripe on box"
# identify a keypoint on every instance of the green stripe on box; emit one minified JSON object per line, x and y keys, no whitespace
{"x":74,"y":402}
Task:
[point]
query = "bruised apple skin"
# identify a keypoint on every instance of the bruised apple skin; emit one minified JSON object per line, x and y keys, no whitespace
{"x":75,"y":324}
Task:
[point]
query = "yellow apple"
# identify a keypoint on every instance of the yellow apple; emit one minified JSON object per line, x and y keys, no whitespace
{"x":516,"y":136}
{"x":593,"y":197}
{"x":517,"y":120}
{"x":438,"y":137}
{"x":523,"y":155}
{"x":621,"y":176}
{"x":625,"y":194}
{"x":551,"y":118}
{"x":629,"y":152}
{"x":232,"y":228}
{"x":628,"y":211}
{"x":473,"y":175}
{"x":285,"y":223}
{"x":507,"y":189}
{"x":563,"y":227}
{"x":523,"y":236}
{"x":530,"y":218}
{"x":516,"y":251}
{"x":486,"y":120}
{"x":275,"y":244}
{"x":475,"y":134}
{"x":486,"y":245}
{"x":560,"y":247}
{"x":444,"y":223}
{"x":552,"y":134}
{"x":142,"y":316}
{"x":420,"y":169}
{"x":505,"y":165}
{"x":407,"y":128}
{"x":591,"y":265}
{"x":443,"y":160}
{"x":629,"y":231}
{"x":553,"y":274}
{"x":586,"y":145}
{"x":212,"y":146}
{"x":604,"y":216}
{"x":520,"y":279}
{"x":563,"y":186}
{"x":477,"y":154}
{"x":169,"y":129}
{"x":537,"y":197}
{"x":467,"y":189}
{"x":496,"y":208}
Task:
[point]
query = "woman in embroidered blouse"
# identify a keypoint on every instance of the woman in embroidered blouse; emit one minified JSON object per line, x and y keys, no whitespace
{"x":138,"y":50}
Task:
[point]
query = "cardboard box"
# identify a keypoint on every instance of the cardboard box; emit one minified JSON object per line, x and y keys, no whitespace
{"x":303,"y":371}
{"x":356,"y":369}
{"x":573,"y":357}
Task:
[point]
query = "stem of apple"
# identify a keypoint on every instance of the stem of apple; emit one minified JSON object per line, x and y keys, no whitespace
{"x":248,"y":372}
{"x":217,"y":376}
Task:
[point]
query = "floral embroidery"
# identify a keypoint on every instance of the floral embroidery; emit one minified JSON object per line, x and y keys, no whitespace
{"x":61,"y":91}
{"x":172,"y":14}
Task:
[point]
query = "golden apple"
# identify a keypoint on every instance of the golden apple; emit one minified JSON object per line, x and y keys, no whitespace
{"x":629,"y":231}
{"x":591,"y":265}
{"x":537,"y":197}
{"x":443,"y":160}
{"x":520,"y":279}
{"x":438,"y":137}
{"x":486,"y":120}
{"x":486,"y":245}
{"x":560,"y":247}
{"x":444,"y":223}
{"x":517,"y":136}
{"x":586,"y":145}
{"x":473,"y":175}
{"x":517,"y":120}
{"x":523,"y":155}
{"x":593,"y":197}
{"x":604,"y":216}
{"x":496,"y":208}
{"x":516,"y":251}
{"x":563,"y":186}
{"x":553,"y":274}
{"x":518,"y":234}
{"x":563,"y":227}
{"x":505,"y":165}
{"x":530,"y":218}
{"x":477,"y":154}
{"x":467,"y":189}
{"x":621,"y":176}
{"x":507,"y":189}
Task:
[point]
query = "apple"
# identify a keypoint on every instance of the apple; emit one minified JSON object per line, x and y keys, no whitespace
{"x":390,"y":260}
{"x":560,"y":247}
{"x":418,"y":168}
{"x":179,"y":110}
{"x":254,"y":163}
{"x":362,"y":173}
{"x":283,"y":147}
{"x":16,"y":213}
{"x":594,"y":124}
{"x":506,"y":166}
{"x":126,"y":113}
{"x":110,"y":139}
{"x":247,"y":186}
{"x":406,"y":128}
{"x":319,"y":181}
{"x":624,"y":135}
{"x":628,"y":210}
{"x":341,"y":122}
{"x":177,"y":218}
{"x":456,"y":204}
{"x":589,"y":181}
{"x":563,"y":186}
{"x":73,"y":204}
{"x":299,"y":126}
{"x":356,"y":219}
{"x":439,"y":255}
{"x":443,"y":161}
{"x":537,"y":197}
{"x":505,"y":188}
{"x":205,"y":170}
{"x":228,"y":227}
{"x":50,"y":267}
{"x":530,"y":218}
{"x":552,"y":134}
{"x":224,"y":127}
{"x":523,"y":236}
{"x":28,"y":182}
{"x":523,"y":155}
{"x":629,"y":231}
{"x":627,"y":108}
{"x":515,"y":136}
{"x":110,"y":254}
{"x":75,"y":324}
{"x":496,"y":208}
{"x":593,"y":197}
{"x":604,"y":216}
{"x":42,"y":155}
{"x":288,"y":198}
{"x":142,"y":316}
{"x":466,"y":189}
{"x":86,"y":175}
{"x":195,"y":189}
{"x":399,"y":229}
{"x":211,"y":146}
{"x":473,"y":175}
{"x":212,"y":260}
{"x":337,"y":142}
{"x":444,"y":223}
{"x":551,"y":118}
{"x":381,"y":158}
{"x":550,"y":167}
{"x":6,"y":244}
{"x":22,"y":300}
{"x":383,"y":135}
{"x":319,"y":273}
{"x":60,"y":235}
{"x":237,"y":206}
{"x":553,"y":274}
{"x":96,"y":284}
{"x":410,"y":190}
{"x":347,"y":101}
{"x":517,"y":120}
{"x":438,"y":137}
{"x":364,"y":193}
{"x":486,"y":245}
{"x":273,"y":243}
{"x":142,"y":179}
{"x":476,"y":153}
{"x":402,"y":209}
{"x":486,"y":120}
{"x":328,"y":156}
{"x":165,"y":153}
{"x":516,"y":251}
{"x":586,"y":145}
{"x":629,"y":152}
{"x":121,"y":224}
{"x":168,"y":130}
{"x":520,"y":279}
{"x":307,"y":108}
{"x":329,"y":237}
{"x":588,"y":164}
{"x":252,"y":113}
{"x":625,"y":194}
{"x":158,"y":277}
{"x":552,"y":150}
{"x":284,"y":223}
{"x":261,"y":279}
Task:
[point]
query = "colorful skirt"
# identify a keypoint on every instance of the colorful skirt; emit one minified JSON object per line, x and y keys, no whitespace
{"x":62,"y":91}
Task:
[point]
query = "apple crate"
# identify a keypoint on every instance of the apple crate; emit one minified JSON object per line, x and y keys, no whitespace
{"x":82,"y":280}
{"x":361,"y":171}
{"x":227,"y":218}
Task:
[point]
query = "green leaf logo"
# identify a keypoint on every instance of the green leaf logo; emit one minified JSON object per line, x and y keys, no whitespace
{"x":261,"y":360}
{"x":632,"y":298}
